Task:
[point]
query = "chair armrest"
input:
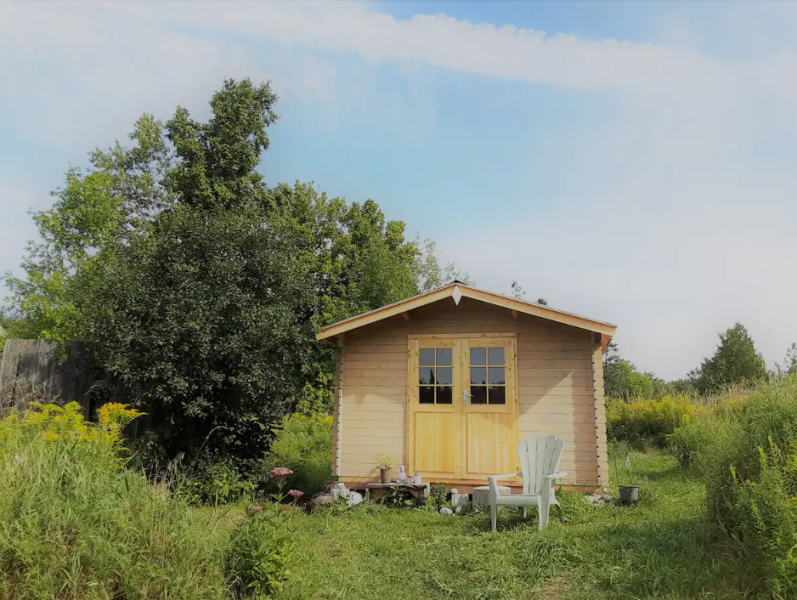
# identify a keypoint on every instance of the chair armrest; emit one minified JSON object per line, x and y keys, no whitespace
{"x":557,"y":475}
{"x":493,"y":481}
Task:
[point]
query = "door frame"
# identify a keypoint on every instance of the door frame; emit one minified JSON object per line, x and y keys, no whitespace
{"x":412,"y":387}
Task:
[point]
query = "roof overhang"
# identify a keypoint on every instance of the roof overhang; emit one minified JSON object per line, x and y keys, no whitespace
{"x":457,"y":291}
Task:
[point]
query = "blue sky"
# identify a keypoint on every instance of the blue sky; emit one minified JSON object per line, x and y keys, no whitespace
{"x":629,"y":161}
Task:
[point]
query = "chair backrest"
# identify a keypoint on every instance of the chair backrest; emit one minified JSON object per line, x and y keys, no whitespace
{"x":539,"y":456}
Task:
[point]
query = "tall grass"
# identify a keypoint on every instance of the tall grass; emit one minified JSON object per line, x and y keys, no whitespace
{"x":76,"y":523}
{"x":746,"y":452}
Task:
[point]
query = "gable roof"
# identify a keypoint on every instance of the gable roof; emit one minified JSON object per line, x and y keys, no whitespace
{"x":457,"y":291}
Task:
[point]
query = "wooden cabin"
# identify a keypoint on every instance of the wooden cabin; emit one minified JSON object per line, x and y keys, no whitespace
{"x":448,"y":382}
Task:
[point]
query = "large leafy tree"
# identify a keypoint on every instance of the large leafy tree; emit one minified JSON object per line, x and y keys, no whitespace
{"x":735,"y":361}
{"x":207,"y":323}
{"x":201,"y":286}
{"x":119,"y":195}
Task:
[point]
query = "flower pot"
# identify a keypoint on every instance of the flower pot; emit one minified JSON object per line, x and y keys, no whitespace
{"x":385,"y":475}
{"x":629,"y":494}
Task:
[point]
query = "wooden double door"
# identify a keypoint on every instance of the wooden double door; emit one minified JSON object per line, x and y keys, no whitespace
{"x":463,"y":407}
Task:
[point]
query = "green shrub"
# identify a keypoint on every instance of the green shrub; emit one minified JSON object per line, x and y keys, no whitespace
{"x":438,"y":494}
{"x":215,"y":483}
{"x":303,"y":444}
{"x":647,"y":422}
{"x":746,"y":451}
{"x":258,"y":552}
{"x":77,"y":523}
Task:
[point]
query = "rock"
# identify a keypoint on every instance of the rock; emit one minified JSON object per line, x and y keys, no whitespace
{"x":319,"y":501}
{"x":355,"y":498}
{"x":446,"y":511}
{"x":458,"y":509}
{"x":607,"y":498}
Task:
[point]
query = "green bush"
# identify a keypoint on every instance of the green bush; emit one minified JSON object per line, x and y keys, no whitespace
{"x":303,"y":444}
{"x":746,"y":450}
{"x":215,"y":483}
{"x":77,"y":523}
{"x":647,"y":422}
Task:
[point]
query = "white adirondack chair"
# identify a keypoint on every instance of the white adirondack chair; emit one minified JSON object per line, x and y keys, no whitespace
{"x":539,"y":465}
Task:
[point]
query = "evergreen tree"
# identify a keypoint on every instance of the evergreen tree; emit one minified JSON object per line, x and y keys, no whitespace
{"x":734,"y":362}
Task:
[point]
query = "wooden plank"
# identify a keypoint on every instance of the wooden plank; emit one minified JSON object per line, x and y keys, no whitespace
{"x":556,"y":389}
{"x":559,"y":409}
{"x":381,"y":365}
{"x":376,"y":413}
{"x":357,"y":400}
{"x":384,"y":312}
{"x":580,"y":363}
{"x":29,"y":367}
{"x":377,"y":444}
{"x":338,"y":414}
{"x":354,"y":374}
{"x":364,"y":382}
{"x":582,"y":354}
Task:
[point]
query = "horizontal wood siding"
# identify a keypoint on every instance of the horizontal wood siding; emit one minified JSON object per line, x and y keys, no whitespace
{"x":555,"y":380}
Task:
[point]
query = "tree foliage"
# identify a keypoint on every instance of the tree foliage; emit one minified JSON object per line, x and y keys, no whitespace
{"x":202,"y":287}
{"x":734,"y":362}
{"x":622,"y":380}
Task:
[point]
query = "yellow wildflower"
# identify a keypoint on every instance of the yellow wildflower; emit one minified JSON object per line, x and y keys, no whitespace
{"x":50,"y":436}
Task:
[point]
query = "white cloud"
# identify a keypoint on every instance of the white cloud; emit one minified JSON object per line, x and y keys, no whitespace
{"x":688,"y":231}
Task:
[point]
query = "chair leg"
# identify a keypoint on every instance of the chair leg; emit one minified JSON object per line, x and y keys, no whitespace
{"x":522,"y":512}
{"x":544,"y":510}
{"x":494,"y":515}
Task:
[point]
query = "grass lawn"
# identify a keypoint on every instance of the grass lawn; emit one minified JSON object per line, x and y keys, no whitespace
{"x":660,"y":548}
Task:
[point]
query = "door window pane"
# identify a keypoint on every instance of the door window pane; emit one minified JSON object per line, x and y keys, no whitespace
{"x":426,"y":394}
{"x":427,"y":357}
{"x":445,"y":394}
{"x":478,"y":394}
{"x":444,"y":357}
{"x":426,"y":375}
{"x":445,"y":375}
{"x":496,"y":375}
{"x":495,"y":356}
{"x":478,"y":375}
{"x":478,"y":356}
{"x":497,"y":394}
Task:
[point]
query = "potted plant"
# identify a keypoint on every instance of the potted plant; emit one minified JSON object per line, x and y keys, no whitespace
{"x":385,"y":465}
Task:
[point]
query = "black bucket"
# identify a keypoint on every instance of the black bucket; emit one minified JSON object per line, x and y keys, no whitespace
{"x":629,"y":494}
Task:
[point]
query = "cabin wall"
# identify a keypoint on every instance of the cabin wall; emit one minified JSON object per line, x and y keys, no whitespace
{"x":557,"y":386}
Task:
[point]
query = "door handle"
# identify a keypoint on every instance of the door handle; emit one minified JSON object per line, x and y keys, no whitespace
{"x":465,"y":395}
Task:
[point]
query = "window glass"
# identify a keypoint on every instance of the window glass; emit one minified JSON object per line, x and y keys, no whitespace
{"x":478,"y":375}
{"x":478,"y":394}
{"x":445,"y":394}
{"x":444,"y":357}
{"x":496,"y":375}
{"x":497,"y":394}
{"x":427,"y":357}
{"x":426,"y":394}
{"x":478,"y":356}
{"x":495,"y":356}
{"x":426,"y":376}
{"x":445,"y":376}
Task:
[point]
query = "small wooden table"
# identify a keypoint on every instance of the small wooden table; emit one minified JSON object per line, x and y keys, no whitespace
{"x":375,"y":491}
